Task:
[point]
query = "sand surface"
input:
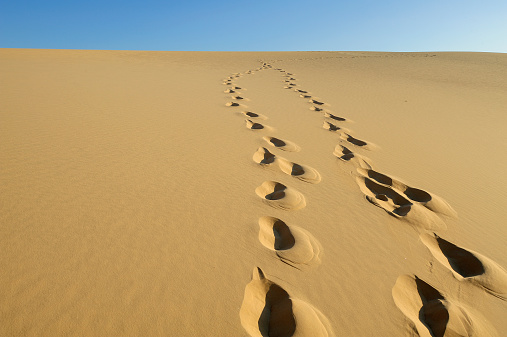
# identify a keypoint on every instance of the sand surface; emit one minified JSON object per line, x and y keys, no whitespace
{"x":141,"y":197}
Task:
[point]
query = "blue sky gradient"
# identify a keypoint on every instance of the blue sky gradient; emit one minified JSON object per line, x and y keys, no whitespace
{"x":278,"y":25}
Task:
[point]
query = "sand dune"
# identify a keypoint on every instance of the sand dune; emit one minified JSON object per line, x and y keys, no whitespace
{"x":140,"y":189}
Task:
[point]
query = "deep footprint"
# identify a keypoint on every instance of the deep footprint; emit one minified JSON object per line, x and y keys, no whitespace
{"x":355,"y":141}
{"x":293,"y":245}
{"x":263,"y":157}
{"x":430,"y":312}
{"x":313,"y":101}
{"x":269,"y":310}
{"x":397,"y":205}
{"x":279,"y":196}
{"x":253,"y":125}
{"x":428,"y":200}
{"x":333,"y":128}
{"x":468,"y":265}
{"x":336,"y":118}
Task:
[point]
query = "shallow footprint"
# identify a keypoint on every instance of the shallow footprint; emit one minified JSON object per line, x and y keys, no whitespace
{"x":468,"y":265}
{"x":231,"y":104}
{"x":315,"y":108}
{"x":268,"y":310}
{"x":279,"y":196}
{"x":430,"y":312}
{"x":293,"y":245}
{"x":284,"y":145}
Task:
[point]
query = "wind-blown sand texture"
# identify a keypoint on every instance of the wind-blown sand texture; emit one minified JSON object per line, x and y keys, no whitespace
{"x":140,"y":190}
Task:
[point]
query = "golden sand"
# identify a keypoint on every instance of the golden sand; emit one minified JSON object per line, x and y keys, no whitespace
{"x":252,"y":194}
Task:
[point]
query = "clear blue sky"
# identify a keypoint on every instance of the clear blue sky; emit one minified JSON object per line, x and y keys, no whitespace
{"x":389,"y":25}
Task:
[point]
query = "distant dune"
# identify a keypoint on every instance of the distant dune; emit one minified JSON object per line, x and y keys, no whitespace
{"x":252,"y":194}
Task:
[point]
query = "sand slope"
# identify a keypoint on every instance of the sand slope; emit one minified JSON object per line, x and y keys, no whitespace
{"x":140,"y":190}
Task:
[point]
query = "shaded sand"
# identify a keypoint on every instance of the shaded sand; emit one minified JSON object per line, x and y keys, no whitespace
{"x":140,"y":190}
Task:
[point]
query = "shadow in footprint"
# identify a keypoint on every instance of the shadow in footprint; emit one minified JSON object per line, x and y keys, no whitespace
{"x":281,"y":144}
{"x":354,"y":141}
{"x":313,"y":101}
{"x":268,"y":310}
{"x":276,"y":318}
{"x":343,"y":153}
{"x":263,"y":156}
{"x":253,"y":125}
{"x":462,"y":261}
{"x":430,"y":312}
{"x":336,"y":118}
{"x":431,"y":202}
{"x":293,"y":245}
{"x":468,"y":265}
{"x":279,"y":196}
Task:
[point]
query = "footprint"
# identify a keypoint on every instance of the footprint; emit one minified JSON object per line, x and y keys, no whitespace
{"x":263,"y":157}
{"x":468,"y":265}
{"x":345,"y":154}
{"x":268,"y":310}
{"x":237,"y":97}
{"x":336,"y":118}
{"x":231,"y":104}
{"x":305,"y":96}
{"x":253,"y":115}
{"x":283,"y":145}
{"x":430,"y":201}
{"x":301,"y":91}
{"x":304,"y":173}
{"x":397,"y":205}
{"x":431,"y":313}
{"x":292,"y":245}
{"x":314,"y":108}
{"x":357,"y":142}
{"x":279,"y":196}
{"x":253,"y":125}
{"x":331,"y":127}
{"x":313,"y":101}
{"x":229,"y":91}
{"x":384,"y":197}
